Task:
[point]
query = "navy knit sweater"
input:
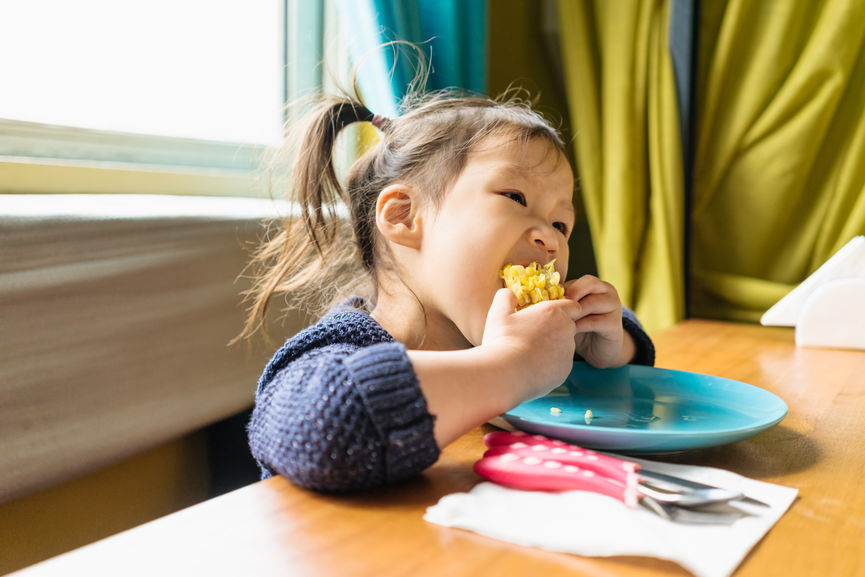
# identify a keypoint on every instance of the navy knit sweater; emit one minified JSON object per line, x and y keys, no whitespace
{"x":339,"y":407}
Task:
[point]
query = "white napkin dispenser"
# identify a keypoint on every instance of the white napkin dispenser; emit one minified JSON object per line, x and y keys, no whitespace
{"x":828,"y":308}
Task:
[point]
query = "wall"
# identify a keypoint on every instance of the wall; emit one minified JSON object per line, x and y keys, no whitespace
{"x":117,"y":384}
{"x":151,"y":484}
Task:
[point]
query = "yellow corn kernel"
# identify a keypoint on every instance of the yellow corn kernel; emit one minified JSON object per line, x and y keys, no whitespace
{"x":533,"y":284}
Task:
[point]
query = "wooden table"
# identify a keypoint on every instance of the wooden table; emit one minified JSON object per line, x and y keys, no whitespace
{"x":275,"y":528}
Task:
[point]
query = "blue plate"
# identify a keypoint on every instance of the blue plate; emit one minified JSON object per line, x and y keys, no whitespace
{"x":642,"y":410}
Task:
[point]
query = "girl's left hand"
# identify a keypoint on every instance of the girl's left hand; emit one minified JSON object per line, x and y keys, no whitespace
{"x":600,"y":338}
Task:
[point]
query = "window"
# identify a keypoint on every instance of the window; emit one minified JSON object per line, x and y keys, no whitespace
{"x":173,"y":87}
{"x":207,"y":69}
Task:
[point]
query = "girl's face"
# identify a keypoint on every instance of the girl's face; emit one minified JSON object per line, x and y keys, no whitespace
{"x":511,"y":204}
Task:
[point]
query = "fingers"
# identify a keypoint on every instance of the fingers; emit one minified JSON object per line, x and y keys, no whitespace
{"x":548,"y":326}
{"x":600,"y":305}
{"x":571,"y":308}
{"x":504,"y":303}
{"x":595,"y":296}
{"x":586,"y":285}
{"x":596,"y":323}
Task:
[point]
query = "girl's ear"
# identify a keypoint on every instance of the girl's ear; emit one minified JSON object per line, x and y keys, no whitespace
{"x":398,"y":215}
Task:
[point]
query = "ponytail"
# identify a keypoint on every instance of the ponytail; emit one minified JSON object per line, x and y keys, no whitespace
{"x":315,"y":183}
{"x":310,"y":256}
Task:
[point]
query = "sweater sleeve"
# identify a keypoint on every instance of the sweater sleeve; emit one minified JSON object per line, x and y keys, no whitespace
{"x":645,"y":348}
{"x":342,"y":418}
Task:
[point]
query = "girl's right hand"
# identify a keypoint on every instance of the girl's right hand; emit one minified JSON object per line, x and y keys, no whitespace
{"x":535,"y":345}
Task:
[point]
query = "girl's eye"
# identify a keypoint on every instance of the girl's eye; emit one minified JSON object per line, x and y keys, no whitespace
{"x":515,"y":196}
{"x":561,"y":227}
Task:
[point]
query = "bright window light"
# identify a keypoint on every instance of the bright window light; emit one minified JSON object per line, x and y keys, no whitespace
{"x":205,"y":69}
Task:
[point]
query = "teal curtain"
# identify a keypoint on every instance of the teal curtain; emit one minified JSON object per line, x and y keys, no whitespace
{"x":452,"y":33}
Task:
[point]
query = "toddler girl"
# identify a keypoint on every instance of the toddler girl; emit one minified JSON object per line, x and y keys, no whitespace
{"x":456,"y":188}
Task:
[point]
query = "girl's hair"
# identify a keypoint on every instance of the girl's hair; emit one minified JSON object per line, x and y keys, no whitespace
{"x":313,"y":258}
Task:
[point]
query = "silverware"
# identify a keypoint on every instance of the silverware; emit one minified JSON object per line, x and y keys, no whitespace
{"x":714,"y":514}
{"x":538,"y":463}
{"x":671,"y":483}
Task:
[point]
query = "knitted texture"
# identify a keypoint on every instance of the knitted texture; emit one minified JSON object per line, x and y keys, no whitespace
{"x":339,"y":408}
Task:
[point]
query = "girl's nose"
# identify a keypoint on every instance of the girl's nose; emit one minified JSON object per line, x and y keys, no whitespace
{"x":546,"y":240}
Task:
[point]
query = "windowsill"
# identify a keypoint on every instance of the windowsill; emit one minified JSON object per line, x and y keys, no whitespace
{"x":39,"y":176}
{"x":43,"y":158}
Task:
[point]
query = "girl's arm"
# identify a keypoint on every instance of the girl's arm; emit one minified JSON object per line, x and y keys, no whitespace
{"x":343,"y":418}
{"x":523,"y":355}
{"x":469,"y":387}
{"x":464,"y":388}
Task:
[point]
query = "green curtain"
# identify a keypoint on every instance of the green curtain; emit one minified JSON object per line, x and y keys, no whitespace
{"x":624,"y":117}
{"x":779,"y":174}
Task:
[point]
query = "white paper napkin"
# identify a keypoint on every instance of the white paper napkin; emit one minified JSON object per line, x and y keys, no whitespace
{"x":847,"y":263}
{"x":594,"y":525}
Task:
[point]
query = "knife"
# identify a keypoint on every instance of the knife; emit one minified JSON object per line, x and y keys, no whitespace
{"x":663,"y":480}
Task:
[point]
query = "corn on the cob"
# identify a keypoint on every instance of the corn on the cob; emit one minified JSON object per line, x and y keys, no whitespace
{"x":533,"y":284}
